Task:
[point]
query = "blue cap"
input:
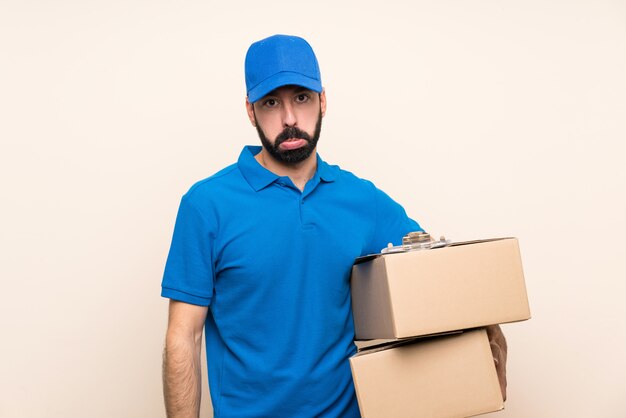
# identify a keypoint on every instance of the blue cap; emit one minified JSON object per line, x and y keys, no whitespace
{"x":278,"y":61}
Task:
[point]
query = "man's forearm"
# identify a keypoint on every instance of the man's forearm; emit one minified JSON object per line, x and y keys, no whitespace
{"x":182,"y":385}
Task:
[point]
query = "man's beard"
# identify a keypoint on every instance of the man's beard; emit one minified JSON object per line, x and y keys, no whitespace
{"x":292,"y":156}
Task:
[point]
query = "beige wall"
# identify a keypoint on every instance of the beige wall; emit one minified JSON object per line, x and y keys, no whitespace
{"x":484,"y":118}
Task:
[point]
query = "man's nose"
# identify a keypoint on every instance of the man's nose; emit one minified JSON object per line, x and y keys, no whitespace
{"x":289,"y":115}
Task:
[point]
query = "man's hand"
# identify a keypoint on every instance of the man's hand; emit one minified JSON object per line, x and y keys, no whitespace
{"x":497,"y":342}
{"x":182,"y":384}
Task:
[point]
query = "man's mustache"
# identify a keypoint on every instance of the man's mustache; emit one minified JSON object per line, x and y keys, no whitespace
{"x":291,"y":132}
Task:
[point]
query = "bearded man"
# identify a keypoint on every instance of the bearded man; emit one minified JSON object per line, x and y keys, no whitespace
{"x":261,"y":259}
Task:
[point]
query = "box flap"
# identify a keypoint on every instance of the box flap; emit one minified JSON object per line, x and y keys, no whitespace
{"x":371,"y":346}
{"x":368,"y":257}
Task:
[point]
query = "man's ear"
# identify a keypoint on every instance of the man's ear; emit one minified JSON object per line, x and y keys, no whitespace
{"x":323,"y":102}
{"x":250,"y":111}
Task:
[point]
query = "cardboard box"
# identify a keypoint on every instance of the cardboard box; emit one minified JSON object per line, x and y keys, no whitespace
{"x":435,"y":377}
{"x":465,"y":285}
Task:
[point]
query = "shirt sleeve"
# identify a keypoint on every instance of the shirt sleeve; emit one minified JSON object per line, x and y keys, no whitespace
{"x":189,"y":272}
{"x":392,"y":222}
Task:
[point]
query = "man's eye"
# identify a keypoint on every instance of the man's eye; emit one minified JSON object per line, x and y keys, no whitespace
{"x":301,"y":98}
{"x":270,"y":102}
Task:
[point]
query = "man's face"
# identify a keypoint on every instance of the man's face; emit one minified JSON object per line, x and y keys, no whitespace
{"x":288,"y":121}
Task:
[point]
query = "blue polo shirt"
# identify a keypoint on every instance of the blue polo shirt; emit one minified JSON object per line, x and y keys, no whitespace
{"x":273,"y":265}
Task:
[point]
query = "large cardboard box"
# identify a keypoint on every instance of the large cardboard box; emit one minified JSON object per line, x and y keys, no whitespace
{"x":436,"y":377}
{"x":465,"y":285}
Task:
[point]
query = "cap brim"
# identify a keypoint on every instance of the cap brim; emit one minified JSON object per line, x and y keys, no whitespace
{"x":283,"y":79}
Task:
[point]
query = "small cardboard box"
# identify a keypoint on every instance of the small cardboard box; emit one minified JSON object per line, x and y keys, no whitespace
{"x":465,"y":285}
{"x":435,"y":377}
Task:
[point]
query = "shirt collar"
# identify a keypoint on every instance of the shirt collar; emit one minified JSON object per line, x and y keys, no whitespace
{"x":325,"y":171}
{"x":259,"y":177}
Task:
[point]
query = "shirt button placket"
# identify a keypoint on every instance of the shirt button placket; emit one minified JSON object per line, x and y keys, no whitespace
{"x":302,"y":214}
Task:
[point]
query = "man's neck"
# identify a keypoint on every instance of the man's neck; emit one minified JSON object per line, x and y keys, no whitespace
{"x":299,"y":173}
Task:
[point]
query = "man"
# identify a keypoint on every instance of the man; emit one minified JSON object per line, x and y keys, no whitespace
{"x":261,"y":258}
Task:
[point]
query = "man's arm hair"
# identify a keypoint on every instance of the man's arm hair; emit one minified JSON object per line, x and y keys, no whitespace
{"x":182,"y":384}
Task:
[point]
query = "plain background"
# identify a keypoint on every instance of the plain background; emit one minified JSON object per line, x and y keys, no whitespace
{"x":483,"y":118}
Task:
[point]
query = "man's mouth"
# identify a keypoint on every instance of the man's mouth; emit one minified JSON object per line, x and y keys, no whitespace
{"x":292,"y":143}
